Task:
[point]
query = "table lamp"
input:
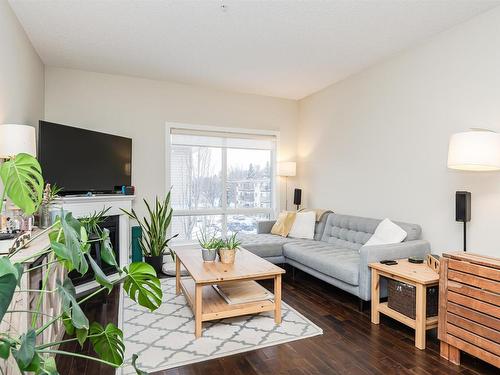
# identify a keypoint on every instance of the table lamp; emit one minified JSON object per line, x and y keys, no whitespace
{"x":287,"y":169}
{"x":474,"y":150}
{"x":16,"y":139}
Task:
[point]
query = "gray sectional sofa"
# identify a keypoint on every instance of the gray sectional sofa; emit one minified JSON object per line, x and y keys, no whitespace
{"x":336,"y":254}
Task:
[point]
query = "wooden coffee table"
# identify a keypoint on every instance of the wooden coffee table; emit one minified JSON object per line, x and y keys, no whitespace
{"x":206,"y":303}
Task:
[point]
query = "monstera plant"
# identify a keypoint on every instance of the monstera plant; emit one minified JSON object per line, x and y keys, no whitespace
{"x":70,"y":244}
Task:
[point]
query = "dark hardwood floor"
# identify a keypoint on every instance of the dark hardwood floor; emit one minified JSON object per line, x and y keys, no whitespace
{"x":350,"y":344}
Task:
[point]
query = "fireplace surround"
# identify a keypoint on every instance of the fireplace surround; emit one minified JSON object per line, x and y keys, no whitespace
{"x":116,"y":221}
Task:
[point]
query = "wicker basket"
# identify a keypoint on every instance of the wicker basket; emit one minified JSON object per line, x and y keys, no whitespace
{"x":402,"y":298}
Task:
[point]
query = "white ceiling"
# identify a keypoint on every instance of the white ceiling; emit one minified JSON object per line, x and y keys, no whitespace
{"x":286,"y":49}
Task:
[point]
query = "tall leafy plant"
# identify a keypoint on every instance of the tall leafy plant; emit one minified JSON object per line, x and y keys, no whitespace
{"x":154,"y":240}
{"x":70,"y":243}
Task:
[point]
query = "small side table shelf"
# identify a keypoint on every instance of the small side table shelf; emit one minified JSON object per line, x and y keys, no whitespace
{"x":418,"y":275}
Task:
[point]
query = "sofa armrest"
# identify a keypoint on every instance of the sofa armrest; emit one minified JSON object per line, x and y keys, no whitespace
{"x":376,"y":253}
{"x":265,"y":226}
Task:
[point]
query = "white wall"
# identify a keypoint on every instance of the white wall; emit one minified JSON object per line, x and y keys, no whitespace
{"x":21,"y":73}
{"x":376,"y":143}
{"x":139,"y":108}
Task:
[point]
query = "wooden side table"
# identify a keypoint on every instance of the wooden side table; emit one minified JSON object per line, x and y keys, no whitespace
{"x":418,"y":275}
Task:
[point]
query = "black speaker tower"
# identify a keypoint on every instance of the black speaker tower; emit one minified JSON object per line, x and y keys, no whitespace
{"x":297,"y":197}
{"x":463,"y":211}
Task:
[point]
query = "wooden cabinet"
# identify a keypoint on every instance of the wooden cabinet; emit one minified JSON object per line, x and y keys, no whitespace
{"x":18,"y":322}
{"x":469,"y":307}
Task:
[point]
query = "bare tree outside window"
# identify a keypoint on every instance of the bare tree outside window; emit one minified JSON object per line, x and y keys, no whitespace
{"x":199,"y":183}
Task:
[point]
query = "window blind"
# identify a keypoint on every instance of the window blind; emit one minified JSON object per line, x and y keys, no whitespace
{"x":190,"y":137}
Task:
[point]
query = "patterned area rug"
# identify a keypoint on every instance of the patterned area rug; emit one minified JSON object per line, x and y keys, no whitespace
{"x":165,"y":338}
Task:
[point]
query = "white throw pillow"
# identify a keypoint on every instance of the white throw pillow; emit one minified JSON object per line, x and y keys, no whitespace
{"x":303,"y":226}
{"x":386,"y":233}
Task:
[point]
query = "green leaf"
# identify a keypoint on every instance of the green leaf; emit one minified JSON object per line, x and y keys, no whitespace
{"x":23,"y":182}
{"x":107,"y":253}
{"x":35,"y":364}
{"x":57,"y":234}
{"x":63,"y":253}
{"x":100,"y":277}
{"x":24,"y":355}
{"x":109,"y":342}
{"x":142,"y":285}
{"x":72,"y":230}
{"x":4,"y":349}
{"x":69,"y":304}
{"x":84,"y":240}
{"x":134,"y":360}
{"x":7,"y":267}
{"x":81,"y":335}
{"x":20,"y":270}
{"x":7,"y":288}
{"x":48,"y":367}
{"x":154,"y":228}
{"x":68,"y":326}
{"x":92,"y":222}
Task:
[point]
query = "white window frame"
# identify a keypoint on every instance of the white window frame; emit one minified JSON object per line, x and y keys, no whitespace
{"x":224,"y":211}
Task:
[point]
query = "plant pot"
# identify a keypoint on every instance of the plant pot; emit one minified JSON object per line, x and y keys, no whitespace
{"x":226,"y":256}
{"x":208,"y":255}
{"x":45,"y":216}
{"x":156,"y":262}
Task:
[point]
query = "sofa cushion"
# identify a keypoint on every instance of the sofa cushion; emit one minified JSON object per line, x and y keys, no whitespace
{"x":303,"y":226}
{"x":342,"y":264}
{"x":264,"y":244}
{"x":386,"y":233}
{"x":284,"y":223}
{"x":352,"y":232}
{"x":319,"y":228}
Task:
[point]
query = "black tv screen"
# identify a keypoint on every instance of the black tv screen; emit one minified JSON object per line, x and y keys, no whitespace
{"x":81,"y":161}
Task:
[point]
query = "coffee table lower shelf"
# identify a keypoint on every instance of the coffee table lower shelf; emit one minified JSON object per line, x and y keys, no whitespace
{"x":215,"y":307}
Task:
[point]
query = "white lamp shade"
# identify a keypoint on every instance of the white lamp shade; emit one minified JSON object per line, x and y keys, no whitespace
{"x":287,"y":169}
{"x":476,"y":150}
{"x":16,"y":139}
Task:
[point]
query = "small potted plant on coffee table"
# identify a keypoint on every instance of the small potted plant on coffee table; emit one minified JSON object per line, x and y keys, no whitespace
{"x":227,"y":252}
{"x":210,"y":244}
{"x":154,"y":239}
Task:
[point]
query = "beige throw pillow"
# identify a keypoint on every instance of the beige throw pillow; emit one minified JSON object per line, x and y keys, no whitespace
{"x":284,"y":223}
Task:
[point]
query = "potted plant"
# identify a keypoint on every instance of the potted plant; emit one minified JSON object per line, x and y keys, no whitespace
{"x":228,"y":250}
{"x":31,"y":348}
{"x":210,"y":244}
{"x":49,"y":194}
{"x":154,"y":238}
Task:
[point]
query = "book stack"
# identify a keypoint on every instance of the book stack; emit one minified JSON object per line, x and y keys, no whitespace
{"x":243,"y":292}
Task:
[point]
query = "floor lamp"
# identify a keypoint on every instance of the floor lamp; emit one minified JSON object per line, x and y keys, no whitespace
{"x":16,"y":139}
{"x":476,"y":150}
{"x":287,"y":169}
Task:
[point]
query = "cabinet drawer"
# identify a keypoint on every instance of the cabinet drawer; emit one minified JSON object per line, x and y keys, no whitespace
{"x":475,"y":316}
{"x":473,"y":292}
{"x":475,"y":269}
{"x":473,"y":280}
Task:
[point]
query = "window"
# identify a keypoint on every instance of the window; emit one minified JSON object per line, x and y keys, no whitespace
{"x":221,"y":181}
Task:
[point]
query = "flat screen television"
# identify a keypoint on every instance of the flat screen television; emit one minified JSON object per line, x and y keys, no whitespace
{"x":81,"y":161}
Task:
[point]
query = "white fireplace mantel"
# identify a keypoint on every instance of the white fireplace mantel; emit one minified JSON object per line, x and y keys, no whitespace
{"x":81,"y":206}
